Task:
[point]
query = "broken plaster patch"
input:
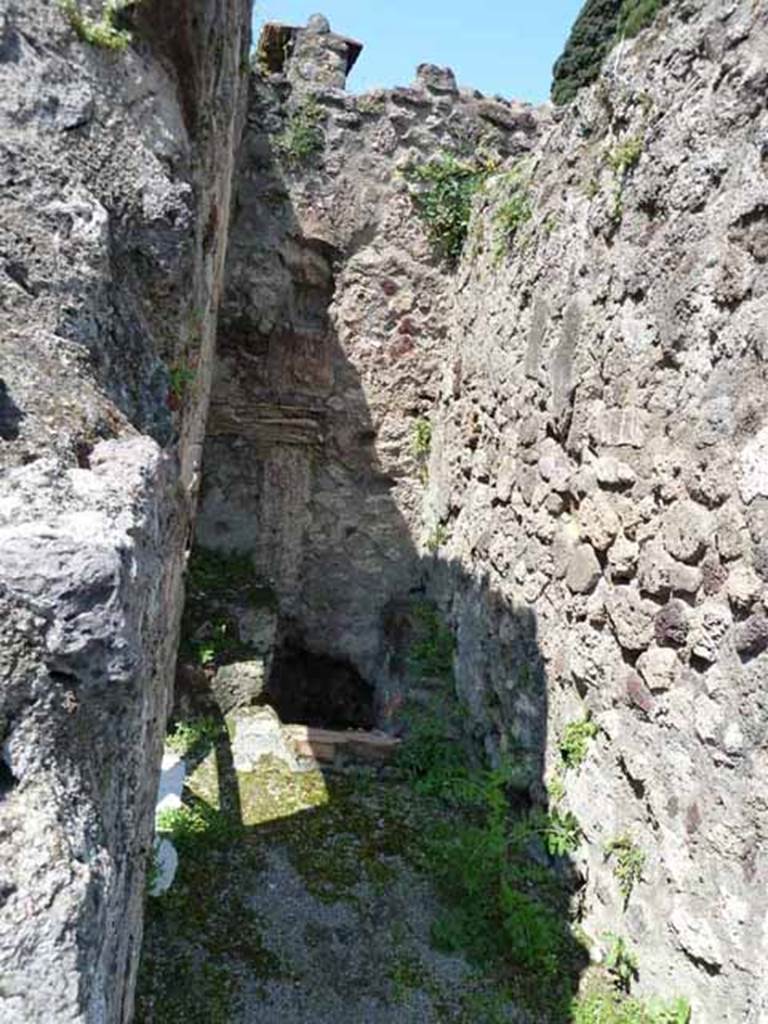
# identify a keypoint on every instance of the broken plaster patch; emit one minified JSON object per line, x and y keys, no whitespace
{"x":754,"y":467}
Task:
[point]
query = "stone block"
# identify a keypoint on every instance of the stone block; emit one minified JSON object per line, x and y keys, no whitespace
{"x":239,"y":684}
{"x":743,"y":586}
{"x":686,"y":529}
{"x":661,"y":575}
{"x":712,"y":622}
{"x":751,"y":636}
{"x":671,"y":625}
{"x":612,"y":472}
{"x":256,"y":733}
{"x":631,"y":617}
{"x":599,"y":522}
{"x":583,"y":570}
{"x":660,"y":667}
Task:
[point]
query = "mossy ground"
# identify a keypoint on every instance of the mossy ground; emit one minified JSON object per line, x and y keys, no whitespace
{"x":296,"y":886}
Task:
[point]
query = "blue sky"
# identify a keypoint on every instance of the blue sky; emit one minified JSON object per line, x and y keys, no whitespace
{"x":497,"y":47}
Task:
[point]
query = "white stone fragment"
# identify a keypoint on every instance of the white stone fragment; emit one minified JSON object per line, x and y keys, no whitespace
{"x":166,"y":864}
{"x":172,"y":774}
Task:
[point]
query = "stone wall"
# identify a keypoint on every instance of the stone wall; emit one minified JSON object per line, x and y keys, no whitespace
{"x":115,"y":169}
{"x":601,"y":458}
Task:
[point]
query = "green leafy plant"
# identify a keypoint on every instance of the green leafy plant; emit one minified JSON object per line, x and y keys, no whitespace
{"x":442,"y":192}
{"x":431,"y":649}
{"x":180,"y":379}
{"x":195,"y":736}
{"x":303,"y":137}
{"x":498,"y":905}
{"x":196,"y":828}
{"x":605,"y":1006}
{"x":592,"y":188}
{"x":422,"y":438}
{"x":217,"y":637}
{"x":218,"y":583}
{"x":625,"y":155}
{"x":556,"y":789}
{"x":549,"y":223}
{"x":421,"y":445}
{"x":560,"y":832}
{"x":629,"y":861}
{"x":511,"y":212}
{"x":433,"y":760}
{"x":371,"y":103}
{"x":574,"y":743}
{"x":225,"y":573}
{"x":622,"y":159}
{"x":620,"y":961}
{"x":102,"y":32}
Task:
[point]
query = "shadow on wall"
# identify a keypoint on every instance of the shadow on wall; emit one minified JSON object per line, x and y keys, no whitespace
{"x":293,"y":470}
{"x":308,"y":478}
{"x":10,"y":415}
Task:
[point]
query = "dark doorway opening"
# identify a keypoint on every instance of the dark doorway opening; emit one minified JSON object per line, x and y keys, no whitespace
{"x":313,"y":689}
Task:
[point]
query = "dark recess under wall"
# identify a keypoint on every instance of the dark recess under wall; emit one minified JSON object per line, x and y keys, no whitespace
{"x":314,"y":689}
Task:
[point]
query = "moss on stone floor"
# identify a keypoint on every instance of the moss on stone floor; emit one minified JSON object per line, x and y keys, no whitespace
{"x":351,"y":839}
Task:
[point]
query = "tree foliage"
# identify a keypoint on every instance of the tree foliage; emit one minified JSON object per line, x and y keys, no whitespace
{"x":599,"y":25}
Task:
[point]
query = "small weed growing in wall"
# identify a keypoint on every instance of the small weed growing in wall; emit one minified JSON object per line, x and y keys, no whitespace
{"x":628,"y":864}
{"x":371,"y":103}
{"x":181,"y":379}
{"x":216,"y":582}
{"x":102,"y":32}
{"x":221,"y":637}
{"x":303,"y":137}
{"x":511,"y":212}
{"x":556,"y":789}
{"x":620,"y":962}
{"x":421,"y":445}
{"x":437,"y":538}
{"x":625,"y":156}
{"x":549,"y":223}
{"x":575,"y":741}
{"x":225,"y":575}
{"x":422,"y":438}
{"x":560,"y":833}
{"x":442,"y":192}
{"x":622,"y":159}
